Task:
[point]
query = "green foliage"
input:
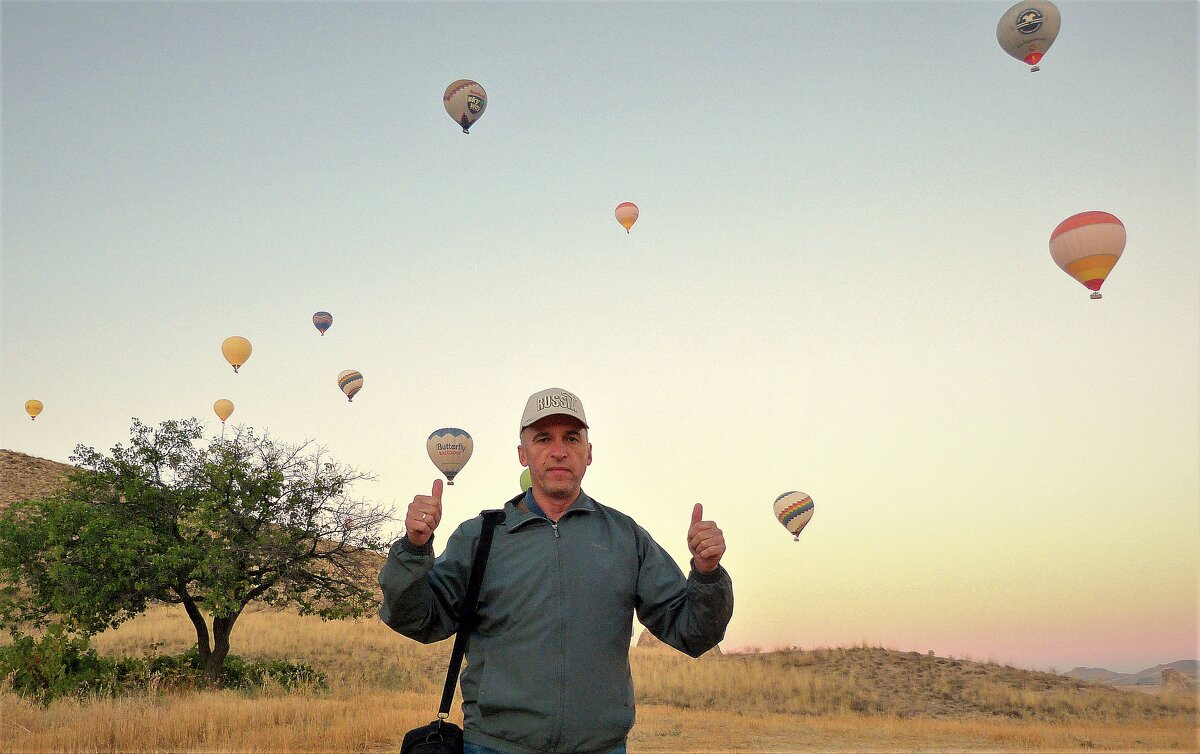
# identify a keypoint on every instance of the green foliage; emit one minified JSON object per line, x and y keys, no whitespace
{"x":58,"y":664}
{"x":61,"y":664}
{"x":208,"y":525}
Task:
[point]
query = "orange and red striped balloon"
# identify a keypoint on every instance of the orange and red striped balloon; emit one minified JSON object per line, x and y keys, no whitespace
{"x":1087,"y":245}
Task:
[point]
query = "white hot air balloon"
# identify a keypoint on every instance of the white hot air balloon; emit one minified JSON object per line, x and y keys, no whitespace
{"x":465,"y":101}
{"x":794,"y":509}
{"x":1027,"y":30}
{"x":449,"y":448}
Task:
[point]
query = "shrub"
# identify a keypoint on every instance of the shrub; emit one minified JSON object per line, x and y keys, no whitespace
{"x":59,"y":664}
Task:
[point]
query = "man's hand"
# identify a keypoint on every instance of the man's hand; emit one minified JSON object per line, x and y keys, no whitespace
{"x":705,"y":541}
{"x":424,"y":515}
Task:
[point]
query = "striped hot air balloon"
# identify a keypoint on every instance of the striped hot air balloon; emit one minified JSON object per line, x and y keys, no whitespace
{"x":1087,"y":246}
{"x":627,"y":214}
{"x":465,"y":101}
{"x":322,"y":321}
{"x":794,"y":509}
{"x":350,"y":383}
{"x":450,"y":448}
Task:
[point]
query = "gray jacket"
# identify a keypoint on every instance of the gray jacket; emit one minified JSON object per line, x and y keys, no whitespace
{"x":548,"y":664}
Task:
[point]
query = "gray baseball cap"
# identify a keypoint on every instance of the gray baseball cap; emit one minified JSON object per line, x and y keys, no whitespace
{"x":550,"y":402}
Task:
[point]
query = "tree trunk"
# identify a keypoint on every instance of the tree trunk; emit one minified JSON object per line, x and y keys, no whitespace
{"x":197,"y":618}
{"x":222,"y":627}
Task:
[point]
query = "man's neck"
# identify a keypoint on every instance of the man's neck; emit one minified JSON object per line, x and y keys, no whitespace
{"x":554,"y":507}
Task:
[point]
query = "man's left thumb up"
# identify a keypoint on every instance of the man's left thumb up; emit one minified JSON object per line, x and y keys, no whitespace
{"x":697,"y":513}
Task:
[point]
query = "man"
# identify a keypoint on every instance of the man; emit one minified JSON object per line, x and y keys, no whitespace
{"x":548,"y":662}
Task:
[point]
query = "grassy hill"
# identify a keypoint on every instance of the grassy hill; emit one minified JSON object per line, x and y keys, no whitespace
{"x":23,"y":477}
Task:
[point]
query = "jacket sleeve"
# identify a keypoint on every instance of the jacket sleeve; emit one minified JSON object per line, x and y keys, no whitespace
{"x":421,"y":594}
{"x":688,"y":614}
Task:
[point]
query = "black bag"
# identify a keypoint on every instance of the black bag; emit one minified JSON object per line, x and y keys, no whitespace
{"x":439,"y":737}
{"x":442,"y":736}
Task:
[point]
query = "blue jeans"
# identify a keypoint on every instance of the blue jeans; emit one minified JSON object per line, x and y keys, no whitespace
{"x":469,"y":748}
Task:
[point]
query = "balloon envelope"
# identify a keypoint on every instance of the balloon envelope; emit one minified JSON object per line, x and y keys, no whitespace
{"x":236,"y":350}
{"x":627,"y":214}
{"x":794,"y":509}
{"x":322,"y":321}
{"x":1027,"y":30}
{"x":33,"y":407}
{"x":526,"y":480}
{"x":449,"y":448}
{"x":465,"y":101}
{"x":1086,"y":246}
{"x":223,"y":409}
{"x":350,"y":382}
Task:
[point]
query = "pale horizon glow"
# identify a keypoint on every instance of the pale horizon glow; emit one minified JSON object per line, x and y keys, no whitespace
{"x":839,"y":281}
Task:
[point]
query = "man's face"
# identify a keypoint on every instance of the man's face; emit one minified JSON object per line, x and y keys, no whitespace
{"x":557,"y":452}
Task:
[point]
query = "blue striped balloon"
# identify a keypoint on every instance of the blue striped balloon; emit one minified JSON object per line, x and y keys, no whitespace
{"x":350,"y":382}
{"x":322,"y":320}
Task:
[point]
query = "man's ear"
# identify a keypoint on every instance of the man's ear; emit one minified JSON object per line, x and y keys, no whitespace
{"x":521,"y":455}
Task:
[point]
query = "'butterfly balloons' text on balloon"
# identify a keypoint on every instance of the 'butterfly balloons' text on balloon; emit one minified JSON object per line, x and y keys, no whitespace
{"x":1027,"y":30}
{"x":450,"y":448}
{"x":465,"y":101}
{"x":236,"y":350}
{"x":794,"y":509}
{"x":350,"y":383}
{"x":1087,"y":246}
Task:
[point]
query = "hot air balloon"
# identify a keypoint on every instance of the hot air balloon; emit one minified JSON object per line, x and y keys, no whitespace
{"x":33,"y":407}
{"x":350,"y":382}
{"x":1027,"y":30}
{"x":526,"y":480}
{"x":627,"y":214}
{"x":237,"y":350}
{"x":794,"y":509}
{"x":449,"y":448}
{"x":223,"y":409}
{"x":322,"y":321}
{"x":1086,"y":246}
{"x":465,"y":102}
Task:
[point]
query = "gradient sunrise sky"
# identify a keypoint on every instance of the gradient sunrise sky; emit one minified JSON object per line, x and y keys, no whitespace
{"x":839,"y":283}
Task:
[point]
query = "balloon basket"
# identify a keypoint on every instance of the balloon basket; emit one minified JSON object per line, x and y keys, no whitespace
{"x":1035,"y":69}
{"x":1095,"y":296}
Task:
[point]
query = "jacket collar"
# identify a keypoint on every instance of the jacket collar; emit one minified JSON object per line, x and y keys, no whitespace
{"x":517,"y":512}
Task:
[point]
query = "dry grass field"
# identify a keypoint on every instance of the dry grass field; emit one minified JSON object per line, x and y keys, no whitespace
{"x":859,"y":699}
{"x":822,"y":700}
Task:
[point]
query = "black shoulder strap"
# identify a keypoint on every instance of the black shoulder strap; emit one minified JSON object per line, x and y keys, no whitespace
{"x":466,"y":616}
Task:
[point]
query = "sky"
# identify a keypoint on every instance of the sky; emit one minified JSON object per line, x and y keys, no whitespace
{"x":839,"y":282}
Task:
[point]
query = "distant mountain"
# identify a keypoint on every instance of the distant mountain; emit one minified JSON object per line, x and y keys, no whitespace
{"x":1148,"y":677}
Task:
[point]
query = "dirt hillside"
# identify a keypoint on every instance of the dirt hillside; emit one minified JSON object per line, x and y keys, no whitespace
{"x":23,"y":477}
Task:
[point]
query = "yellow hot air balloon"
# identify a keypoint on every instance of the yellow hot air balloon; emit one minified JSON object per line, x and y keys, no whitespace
{"x":449,"y":448}
{"x":794,"y":509}
{"x":526,"y":480}
{"x":236,"y":350}
{"x":627,"y":214}
{"x":1087,"y":246}
{"x":223,"y":409}
{"x":33,"y":407}
{"x":1027,"y":30}
{"x":465,"y":101}
{"x":350,"y":382}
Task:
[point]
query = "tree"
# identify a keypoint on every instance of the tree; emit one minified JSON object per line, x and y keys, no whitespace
{"x":209,"y":526}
